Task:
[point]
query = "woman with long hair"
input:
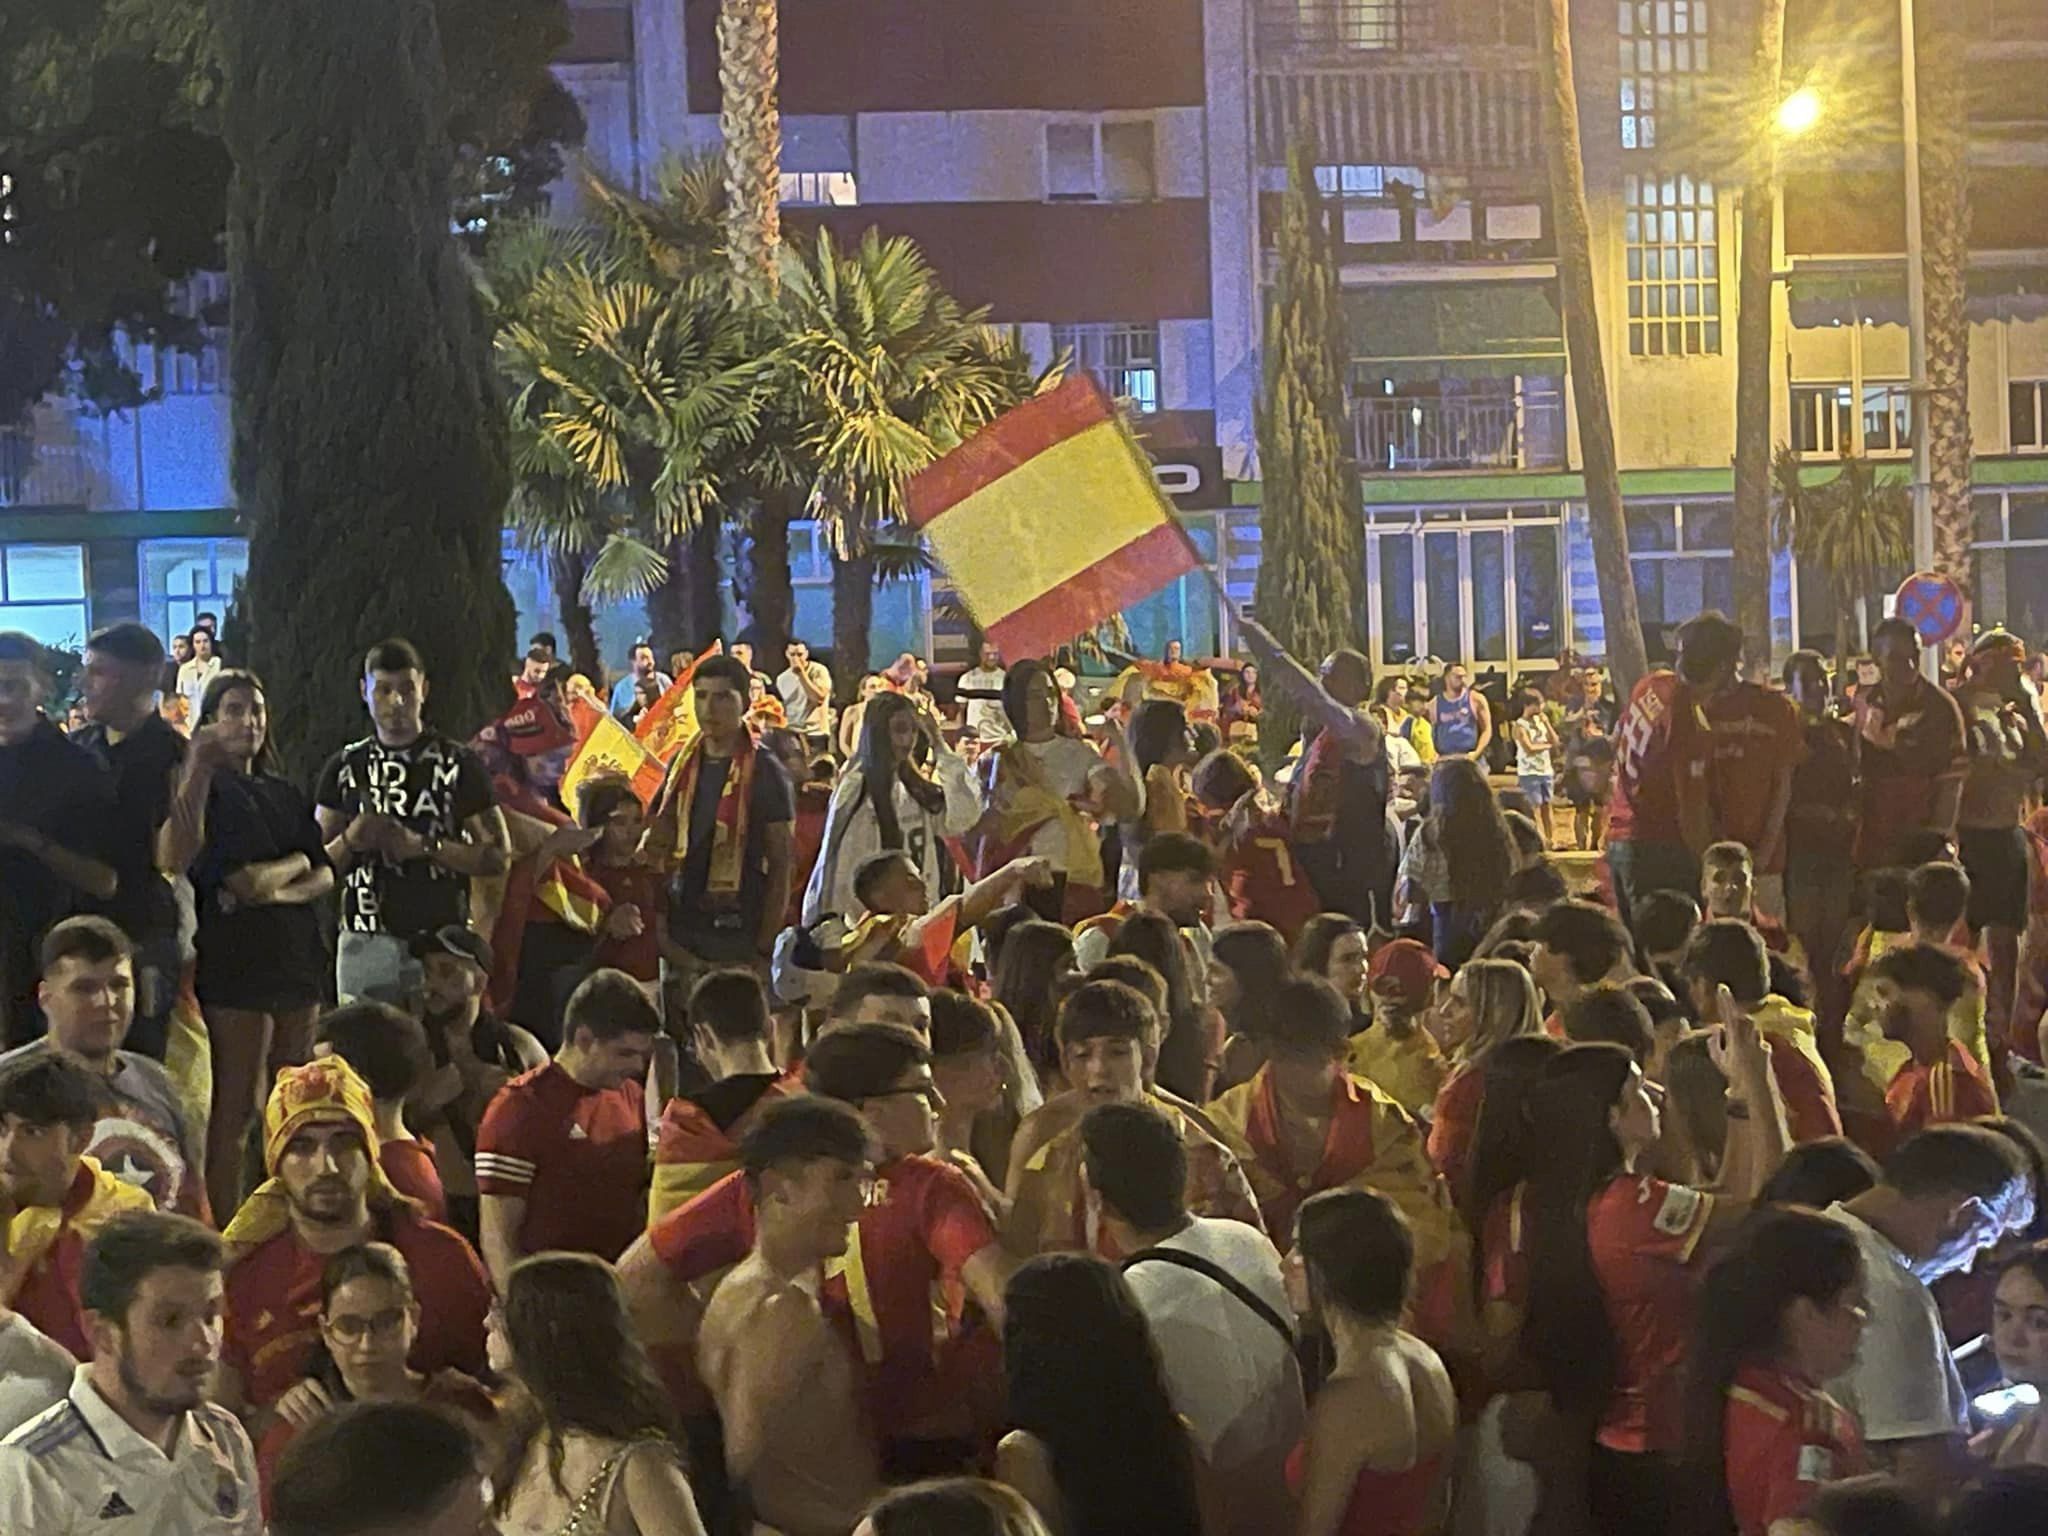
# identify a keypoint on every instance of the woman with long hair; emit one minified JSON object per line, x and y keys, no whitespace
{"x":1194,"y":1034}
{"x":1247,"y":963}
{"x":885,"y":802}
{"x":592,"y":1436}
{"x":369,"y":1321}
{"x":1036,"y":957}
{"x":1380,"y":1432}
{"x":1485,"y":1003}
{"x":1458,"y":864}
{"x":246,"y":835}
{"x":1162,"y":753}
{"x":1609,"y":1249}
{"x":1779,"y":1313}
{"x":1094,"y":1442}
{"x":952,"y":1506}
{"x":2019,"y":1338}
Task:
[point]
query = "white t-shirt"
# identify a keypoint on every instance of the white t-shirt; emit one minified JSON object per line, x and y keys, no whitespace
{"x":984,"y":717}
{"x":1228,"y":1371}
{"x":193,"y":677}
{"x":1064,"y":764}
{"x":853,"y":835}
{"x":34,"y":1371}
{"x":798,"y":708}
{"x":1904,"y":1384}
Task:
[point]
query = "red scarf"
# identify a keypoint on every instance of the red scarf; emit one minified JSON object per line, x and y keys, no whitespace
{"x":729,"y":830}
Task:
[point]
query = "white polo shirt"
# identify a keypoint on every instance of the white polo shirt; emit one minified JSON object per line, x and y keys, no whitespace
{"x":78,"y":1467}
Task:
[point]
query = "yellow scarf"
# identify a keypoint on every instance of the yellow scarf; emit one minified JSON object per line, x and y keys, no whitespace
{"x":35,"y":1230}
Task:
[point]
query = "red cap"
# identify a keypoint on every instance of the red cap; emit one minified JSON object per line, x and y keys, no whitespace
{"x":1406,"y":970}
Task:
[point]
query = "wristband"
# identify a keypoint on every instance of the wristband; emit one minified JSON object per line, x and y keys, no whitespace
{"x":1738,"y":1109}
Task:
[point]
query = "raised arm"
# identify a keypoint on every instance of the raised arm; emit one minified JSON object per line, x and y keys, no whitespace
{"x":1355,"y":726}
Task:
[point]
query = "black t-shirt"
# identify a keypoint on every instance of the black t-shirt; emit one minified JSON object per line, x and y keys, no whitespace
{"x":432,"y":786}
{"x":722,"y":928}
{"x":51,"y":785}
{"x":263,"y":958}
{"x":143,"y":764}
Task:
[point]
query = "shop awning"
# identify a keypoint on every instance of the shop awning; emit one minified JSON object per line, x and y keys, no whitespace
{"x":1466,"y":329}
{"x":1869,"y":293}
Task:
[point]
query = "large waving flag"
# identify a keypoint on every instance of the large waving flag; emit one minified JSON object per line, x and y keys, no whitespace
{"x":666,"y":726}
{"x":609,"y":751}
{"x":1049,"y":520}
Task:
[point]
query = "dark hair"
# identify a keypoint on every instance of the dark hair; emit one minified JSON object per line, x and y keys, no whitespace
{"x":851,"y":1062}
{"x":874,"y":869}
{"x":611,"y":1005}
{"x":16,"y":646}
{"x":93,"y":940}
{"x":1535,"y":885}
{"x":1885,"y":897}
{"x":1221,"y":779}
{"x":1567,"y":1332}
{"x":730,"y":669}
{"x":579,"y":1364}
{"x":1893,"y":629}
{"x":1184,"y":1051}
{"x":1797,"y":662}
{"x":601,"y":797}
{"x":1098,"y":1008}
{"x":1157,"y":727}
{"x":875,"y":978}
{"x":961,"y":1023}
{"x":1256,"y":955}
{"x":1133,"y":972}
{"x":540,"y":653}
{"x":1924,"y":968}
{"x":1726,"y":852}
{"x":1937,"y":895}
{"x":1465,"y":825}
{"x":1659,"y":1001}
{"x":1501,"y":1150}
{"x":131,"y":644}
{"x":995,"y":928}
{"x":1727,"y":952}
{"x":1034,"y":956}
{"x":364,"y":1261}
{"x":1590,"y":938}
{"x":1663,"y":920}
{"x":1084,"y":1378}
{"x":802,"y":1128}
{"x":131,"y":1246}
{"x":393,"y":655}
{"x":2002,"y":1502}
{"x":1018,"y":682}
{"x":730,"y":1003}
{"x":1954,"y":1160}
{"x":1359,"y":1251}
{"x":50,"y":1090}
{"x":421,"y":1456}
{"x":388,"y":1048}
{"x":1707,"y":642}
{"x":2035,"y":1156}
{"x":1610,"y":1015}
{"x":1134,"y":1160}
{"x":1820,"y":1174}
{"x":1867,"y":1506}
{"x":1174,"y":853}
{"x":1318,"y":936}
{"x":544,"y":637}
{"x":226,"y":681}
{"x":1307,"y":1017}
{"x":1782,"y":1255}
{"x":1524,"y":834}
{"x":881,"y":769}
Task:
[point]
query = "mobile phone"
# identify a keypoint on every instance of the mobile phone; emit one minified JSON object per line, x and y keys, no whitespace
{"x":2002,"y":1402}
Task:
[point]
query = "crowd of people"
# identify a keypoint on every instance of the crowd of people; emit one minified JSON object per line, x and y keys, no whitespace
{"x":980,"y":1107}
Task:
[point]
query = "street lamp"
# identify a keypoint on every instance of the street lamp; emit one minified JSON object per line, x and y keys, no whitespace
{"x":1799,"y":112}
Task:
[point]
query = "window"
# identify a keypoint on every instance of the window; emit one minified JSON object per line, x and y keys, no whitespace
{"x":1683,"y":560}
{"x":1887,"y":418}
{"x":1823,"y":418}
{"x":1099,"y":162}
{"x":820,"y":189}
{"x":1123,"y":359}
{"x":179,"y":579}
{"x":2028,"y":405}
{"x":42,"y":592}
{"x":1663,"y":44}
{"x":1674,"y":266}
{"x":2011,"y":560}
{"x":1367,"y":183}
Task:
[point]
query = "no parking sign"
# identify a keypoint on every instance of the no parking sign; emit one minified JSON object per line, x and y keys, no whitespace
{"x":1932,"y":604}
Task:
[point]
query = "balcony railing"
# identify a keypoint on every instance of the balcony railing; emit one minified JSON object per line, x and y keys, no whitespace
{"x":1396,"y":434}
{"x":1324,"y":27}
{"x":1474,"y":113}
{"x":36,"y":474}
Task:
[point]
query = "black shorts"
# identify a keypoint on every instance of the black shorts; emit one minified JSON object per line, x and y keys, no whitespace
{"x":1996,"y":860}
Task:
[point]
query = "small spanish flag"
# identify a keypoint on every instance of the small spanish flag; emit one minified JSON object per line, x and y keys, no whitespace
{"x":666,"y":726}
{"x":609,"y":751}
{"x":1049,"y":520}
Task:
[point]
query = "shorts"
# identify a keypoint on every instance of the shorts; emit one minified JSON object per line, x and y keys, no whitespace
{"x":1537,"y":786}
{"x":1995,"y":858}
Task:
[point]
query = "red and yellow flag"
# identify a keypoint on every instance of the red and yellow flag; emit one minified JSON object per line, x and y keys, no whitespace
{"x":1049,"y":520}
{"x":609,"y":751}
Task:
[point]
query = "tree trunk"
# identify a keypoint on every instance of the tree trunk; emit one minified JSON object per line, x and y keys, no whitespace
{"x":687,"y":611}
{"x":706,"y":584}
{"x":853,"y":611}
{"x":751,"y":122}
{"x":579,"y":624}
{"x":1753,"y":317}
{"x":1626,"y":658}
{"x":1945,"y":231}
{"x":771,"y":597}
{"x":1843,"y":604}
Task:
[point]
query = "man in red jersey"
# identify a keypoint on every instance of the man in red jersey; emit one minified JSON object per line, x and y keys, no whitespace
{"x":1911,"y":752}
{"x":561,"y":1156}
{"x":1660,"y":818}
{"x":325,"y":1193}
{"x":1256,"y":866}
{"x":388,"y":1050}
{"x":1942,"y":1081}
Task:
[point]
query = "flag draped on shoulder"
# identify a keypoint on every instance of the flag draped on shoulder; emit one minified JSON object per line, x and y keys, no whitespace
{"x":1049,"y":520}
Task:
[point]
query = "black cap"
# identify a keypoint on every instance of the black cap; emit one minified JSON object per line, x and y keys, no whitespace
{"x":454,"y":939}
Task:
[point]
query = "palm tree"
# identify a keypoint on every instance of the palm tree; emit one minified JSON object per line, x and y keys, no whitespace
{"x":879,"y":372}
{"x":1855,"y":527}
{"x":1940,"y":43}
{"x":751,"y":121}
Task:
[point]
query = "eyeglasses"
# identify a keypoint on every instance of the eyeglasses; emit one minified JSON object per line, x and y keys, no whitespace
{"x":353,"y":1328}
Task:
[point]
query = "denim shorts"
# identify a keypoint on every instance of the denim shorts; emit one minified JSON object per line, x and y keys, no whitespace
{"x":1537,"y":786}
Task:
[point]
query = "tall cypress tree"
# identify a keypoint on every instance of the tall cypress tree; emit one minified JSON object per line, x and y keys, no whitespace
{"x":1311,"y":586}
{"x":370,"y":459}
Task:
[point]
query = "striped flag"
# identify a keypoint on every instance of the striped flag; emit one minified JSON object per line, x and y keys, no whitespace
{"x":1049,"y":520}
{"x":609,"y":751}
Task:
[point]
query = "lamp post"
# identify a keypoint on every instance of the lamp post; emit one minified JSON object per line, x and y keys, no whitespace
{"x":1916,"y":314}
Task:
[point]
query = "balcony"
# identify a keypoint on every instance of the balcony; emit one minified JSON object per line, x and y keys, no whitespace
{"x":43,"y":475}
{"x":1834,"y":420}
{"x":1521,"y":428}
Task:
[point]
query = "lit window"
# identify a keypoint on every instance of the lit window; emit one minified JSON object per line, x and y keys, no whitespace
{"x":1099,"y":162}
{"x":1123,"y":359}
{"x":179,"y":579}
{"x":1663,"y":44}
{"x":820,"y":189}
{"x":1367,"y":183}
{"x":1674,"y":266}
{"x":42,"y":592}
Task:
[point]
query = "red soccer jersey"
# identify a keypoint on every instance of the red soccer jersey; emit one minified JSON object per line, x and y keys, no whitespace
{"x":409,"y":1166}
{"x":1504,"y":1251}
{"x":1264,"y":880}
{"x":1781,"y":1440}
{"x":1453,"y":1121}
{"x":1643,"y":1233}
{"x":1950,"y":1089}
{"x":900,"y":1275}
{"x":1904,"y":754}
{"x":273,"y":1304}
{"x":1662,"y":751}
{"x":1810,"y":1108}
{"x":1756,"y":737}
{"x":577,"y":1156}
{"x":639,"y":957}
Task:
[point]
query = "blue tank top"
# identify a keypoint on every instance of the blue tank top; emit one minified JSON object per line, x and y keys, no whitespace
{"x":1457,"y":723}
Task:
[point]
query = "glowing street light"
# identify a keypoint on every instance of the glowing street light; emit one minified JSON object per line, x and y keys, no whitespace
{"x":1799,"y":112}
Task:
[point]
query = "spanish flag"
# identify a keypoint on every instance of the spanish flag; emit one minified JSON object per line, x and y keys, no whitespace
{"x":609,"y":751}
{"x":1049,"y":520}
{"x":666,"y":728}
